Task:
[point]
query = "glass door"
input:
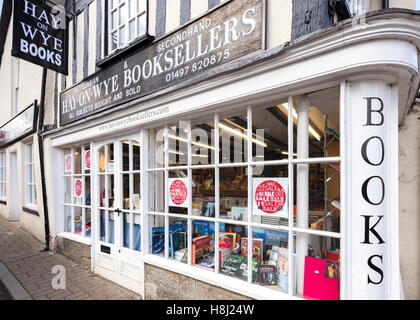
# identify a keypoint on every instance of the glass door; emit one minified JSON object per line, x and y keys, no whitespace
{"x":118,"y":211}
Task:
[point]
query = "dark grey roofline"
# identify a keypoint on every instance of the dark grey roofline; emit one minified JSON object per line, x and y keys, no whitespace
{"x":6,"y":14}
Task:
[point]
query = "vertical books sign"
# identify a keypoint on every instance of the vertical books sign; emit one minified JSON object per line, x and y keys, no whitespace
{"x":40,"y":34}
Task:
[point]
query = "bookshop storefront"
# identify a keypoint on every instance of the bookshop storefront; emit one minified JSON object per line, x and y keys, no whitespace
{"x":272,"y":176}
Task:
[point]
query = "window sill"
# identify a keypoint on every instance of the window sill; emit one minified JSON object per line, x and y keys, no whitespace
{"x":76,"y":238}
{"x":124,"y":52}
{"x":220,"y":280}
{"x":31,"y":209}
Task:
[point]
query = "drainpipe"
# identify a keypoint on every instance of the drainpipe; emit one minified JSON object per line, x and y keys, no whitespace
{"x":41,"y":159}
{"x":385,"y":4}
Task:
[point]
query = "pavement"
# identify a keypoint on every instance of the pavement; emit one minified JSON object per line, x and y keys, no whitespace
{"x":26,"y":271}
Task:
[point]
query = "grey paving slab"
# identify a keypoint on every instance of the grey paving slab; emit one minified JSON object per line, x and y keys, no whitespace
{"x":27,"y":270}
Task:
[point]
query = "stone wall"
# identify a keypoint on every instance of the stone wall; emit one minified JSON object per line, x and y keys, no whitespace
{"x":76,"y":251}
{"x":161,"y":284}
{"x":409,"y":177}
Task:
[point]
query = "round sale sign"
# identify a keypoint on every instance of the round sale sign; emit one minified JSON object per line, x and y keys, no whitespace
{"x":68,"y":162}
{"x":270,"y":196}
{"x":78,"y":188}
{"x":178,"y":192}
{"x":87,"y":160}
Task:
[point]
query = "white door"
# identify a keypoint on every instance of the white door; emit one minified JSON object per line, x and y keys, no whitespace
{"x":14,"y":192}
{"x":117,"y":209}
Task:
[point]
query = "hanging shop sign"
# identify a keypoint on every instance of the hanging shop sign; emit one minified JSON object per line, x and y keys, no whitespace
{"x":40,"y":34}
{"x":20,"y":126}
{"x":232,"y":31}
{"x":87,"y":160}
{"x":178,"y":192}
{"x":68,"y":163}
{"x":270,"y":197}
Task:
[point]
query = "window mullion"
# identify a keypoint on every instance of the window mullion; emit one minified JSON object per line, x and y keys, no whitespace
{"x":72,"y":191}
{"x":249,"y":160}
{"x":291,"y":183}
{"x":82,"y":156}
{"x":216,"y":193}
{"x":166,"y":192}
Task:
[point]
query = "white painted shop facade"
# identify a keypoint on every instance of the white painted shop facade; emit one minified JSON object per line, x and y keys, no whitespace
{"x":371,"y":70}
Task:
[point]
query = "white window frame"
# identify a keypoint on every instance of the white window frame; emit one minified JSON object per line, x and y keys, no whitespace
{"x":3,"y":179}
{"x":122,"y":7}
{"x":72,"y":204}
{"x":292,"y":230}
{"x":30,"y":184}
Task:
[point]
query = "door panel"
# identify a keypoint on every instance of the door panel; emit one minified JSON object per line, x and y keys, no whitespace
{"x":118,"y":174}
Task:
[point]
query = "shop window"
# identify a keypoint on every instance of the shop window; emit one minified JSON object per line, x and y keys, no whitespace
{"x":203,"y":192}
{"x":130,"y":177}
{"x":318,"y":277}
{"x":233,"y":138}
{"x":178,"y":239}
{"x":203,"y":244}
{"x":256,"y":188}
{"x":30,"y":186}
{"x":107,"y":205}
{"x":233,"y":190}
{"x":3,"y":175}
{"x":157,"y":235}
{"x":77,"y":191}
{"x":127,"y":21}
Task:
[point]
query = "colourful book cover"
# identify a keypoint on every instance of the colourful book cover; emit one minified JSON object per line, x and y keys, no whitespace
{"x":200,"y":247}
{"x":257,"y":245}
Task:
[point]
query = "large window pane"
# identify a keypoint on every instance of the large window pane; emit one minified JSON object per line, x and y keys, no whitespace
{"x":319,"y":257}
{"x":233,"y":138}
{"x":203,"y":192}
{"x":178,"y":192}
{"x":322,"y":207}
{"x":178,"y":144}
{"x":203,"y":244}
{"x":157,"y":235}
{"x":322,"y":123}
{"x":233,"y":190}
{"x":270,"y":195}
{"x":269,"y":133}
{"x":178,"y":239}
{"x":202,"y":141}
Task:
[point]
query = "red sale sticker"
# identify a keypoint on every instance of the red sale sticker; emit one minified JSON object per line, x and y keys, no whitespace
{"x":270,"y":196}
{"x":87,"y":160}
{"x":78,"y":186}
{"x":68,"y":161}
{"x":178,"y":192}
